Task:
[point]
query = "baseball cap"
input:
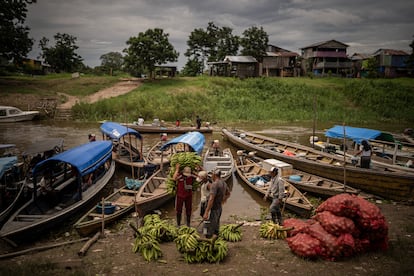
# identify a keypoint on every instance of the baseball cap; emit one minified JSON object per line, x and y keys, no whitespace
{"x":201,"y":176}
{"x":187,"y":171}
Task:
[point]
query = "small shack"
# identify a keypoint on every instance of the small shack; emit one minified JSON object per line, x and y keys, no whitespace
{"x":235,"y":66}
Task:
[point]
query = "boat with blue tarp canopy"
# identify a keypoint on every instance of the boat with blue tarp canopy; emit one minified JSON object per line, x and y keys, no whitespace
{"x":116,"y":131}
{"x":194,"y":139}
{"x":85,"y":158}
{"x":64,"y":184}
{"x":128,"y":147}
{"x":358,"y":134}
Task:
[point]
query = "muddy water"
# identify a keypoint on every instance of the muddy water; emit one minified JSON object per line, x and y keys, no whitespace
{"x":243,"y":203}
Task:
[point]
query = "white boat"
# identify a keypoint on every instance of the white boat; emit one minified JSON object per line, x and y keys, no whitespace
{"x":10,"y":114}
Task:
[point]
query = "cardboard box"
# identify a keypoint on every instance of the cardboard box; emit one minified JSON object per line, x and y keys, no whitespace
{"x":284,"y":168}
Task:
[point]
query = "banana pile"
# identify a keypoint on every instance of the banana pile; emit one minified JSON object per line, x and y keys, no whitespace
{"x":196,"y":250}
{"x":231,"y":232}
{"x":272,"y":231}
{"x":185,"y":159}
{"x":147,"y":245}
{"x":149,"y":236}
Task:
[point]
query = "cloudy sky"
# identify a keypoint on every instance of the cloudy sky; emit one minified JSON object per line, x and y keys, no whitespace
{"x":102,"y":26}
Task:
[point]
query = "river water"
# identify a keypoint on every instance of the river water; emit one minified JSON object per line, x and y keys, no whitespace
{"x":243,"y":203}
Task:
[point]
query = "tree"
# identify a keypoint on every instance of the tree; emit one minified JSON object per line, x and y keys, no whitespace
{"x":371,"y":66}
{"x":62,"y":56}
{"x":254,"y":43}
{"x":193,"y":67}
{"x":148,"y":50}
{"x":14,"y":36}
{"x":212,"y":44}
{"x":112,"y":61}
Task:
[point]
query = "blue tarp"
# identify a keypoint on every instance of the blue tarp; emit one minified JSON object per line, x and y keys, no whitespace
{"x":116,"y":131}
{"x":194,"y":139}
{"x":7,"y":163}
{"x":85,"y":158}
{"x":358,"y":134}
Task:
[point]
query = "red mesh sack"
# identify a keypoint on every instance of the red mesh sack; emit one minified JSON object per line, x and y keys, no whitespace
{"x":304,"y":245}
{"x":336,"y":225}
{"x":342,"y":205}
{"x":346,"y":245}
{"x":328,"y":241}
{"x":299,"y":226}
{"x":370,"y":218}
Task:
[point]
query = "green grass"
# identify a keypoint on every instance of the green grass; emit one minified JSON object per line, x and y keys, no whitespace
{"x":217,"y":99}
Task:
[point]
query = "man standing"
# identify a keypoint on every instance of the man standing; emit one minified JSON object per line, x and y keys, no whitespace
{"x":198,"y":122}
{"x":219,"y":193}
{"x":184,"y":194}
{"x":277,"y":191}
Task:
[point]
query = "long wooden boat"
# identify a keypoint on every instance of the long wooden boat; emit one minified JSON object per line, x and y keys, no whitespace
{"x":157,"y":156}
{"x":16,"y":182}
{"x":305,"y":182}
{"x":387,"y":148}
{"x":382,"y":181}
{"x":146,"y":196}
{"x":128,"y":147}
{"x":223,"y":161}
{"x":248,"y":169}
{"x":150,"y":128}
{"x":61,"y":199}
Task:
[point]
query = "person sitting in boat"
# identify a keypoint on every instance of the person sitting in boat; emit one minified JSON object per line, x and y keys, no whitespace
{"x":92,"y":137}
{"x":366,"y":152}
{"x":216,"y":147}
{"x":177,"y":123}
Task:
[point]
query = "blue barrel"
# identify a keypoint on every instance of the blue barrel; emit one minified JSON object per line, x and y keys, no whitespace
{"x":295,"y":177}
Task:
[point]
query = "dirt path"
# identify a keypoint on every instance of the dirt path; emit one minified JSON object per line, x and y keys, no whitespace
{"x":118,"y":89}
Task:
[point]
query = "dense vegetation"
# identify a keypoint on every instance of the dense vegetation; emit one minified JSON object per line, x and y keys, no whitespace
{"x":261,"y":99}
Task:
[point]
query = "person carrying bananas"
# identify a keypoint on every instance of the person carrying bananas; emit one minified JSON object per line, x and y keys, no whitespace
{"x":184,"y":195}
{"x":277,"y":191}
{"x":219,"y":193}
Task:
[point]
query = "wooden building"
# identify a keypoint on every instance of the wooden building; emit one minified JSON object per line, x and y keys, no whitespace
{"x":165,"y":71}
{"x":235,"y":66}
{"x":279,"y":62}
{"x":391,"y":63}
{"x":326,"y":58}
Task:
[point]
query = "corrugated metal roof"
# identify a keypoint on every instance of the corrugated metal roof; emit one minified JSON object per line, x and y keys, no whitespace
{"x":240,"y":59}
{"x":281,"y":54}
{"x":390,"y":52}
{"x":360,"y":56}
{"x":325,"y":42}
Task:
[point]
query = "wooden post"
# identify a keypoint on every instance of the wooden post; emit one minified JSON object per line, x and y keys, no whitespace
{"x":344,"y":157}
{"x":103,"y":217}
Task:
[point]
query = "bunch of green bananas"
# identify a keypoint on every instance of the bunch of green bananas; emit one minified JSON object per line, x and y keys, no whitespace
{"x":160,"y":229}
{"x":185,"y":159}
{"x":150,"y":250}
{"x":151,"y":219}
{"x":271,"y":230}
{"x":147,"y":245}
{"x":218,"y":251}
{"x":231,"y":232}
{"x":186,"y":240}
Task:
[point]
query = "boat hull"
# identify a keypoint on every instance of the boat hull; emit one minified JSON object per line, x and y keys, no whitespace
{"x":170,"y":130}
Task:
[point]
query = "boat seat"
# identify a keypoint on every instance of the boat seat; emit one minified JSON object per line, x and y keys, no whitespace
{"x":65,"y":183}
{"x":124,"y":201}
{"x":145,"y":194}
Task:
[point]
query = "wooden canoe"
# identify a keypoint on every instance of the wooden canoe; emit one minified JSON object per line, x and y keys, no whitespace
{"x":295,"y":201}
{"x":306,"y":182}
{"x":223,"y":161}
{"x":151,"y":195}
{"x":381,"y":181}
